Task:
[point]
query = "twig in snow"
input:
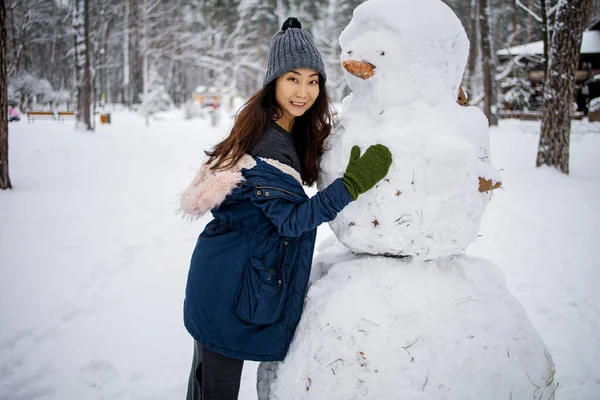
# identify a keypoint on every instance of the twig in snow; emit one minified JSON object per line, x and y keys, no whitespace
{"x":407,"y":347}
{"x":360,"y":384}
{"x":369,"y":321}
{"x":537,"y":387}
{"x":530,"y":381}
{"x":425,"y":384}
{"x":463,"y":300}
{"x":339,"y":359}
{"x":401,"y":220}
{"x":410,"y":345}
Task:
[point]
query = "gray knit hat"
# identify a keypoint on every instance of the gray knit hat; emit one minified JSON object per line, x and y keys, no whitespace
{"x":293,"y":48}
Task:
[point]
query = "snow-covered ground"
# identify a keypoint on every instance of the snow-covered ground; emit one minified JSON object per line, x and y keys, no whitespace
{"x":93,"y":259}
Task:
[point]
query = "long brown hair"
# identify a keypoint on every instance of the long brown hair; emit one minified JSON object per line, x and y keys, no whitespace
{"x":309,"y":131}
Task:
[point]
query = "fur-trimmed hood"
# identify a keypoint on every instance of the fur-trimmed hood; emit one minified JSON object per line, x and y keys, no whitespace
{"x":209,"y":189}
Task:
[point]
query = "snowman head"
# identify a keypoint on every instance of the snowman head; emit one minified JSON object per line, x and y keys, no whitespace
{"x":404,"y":51}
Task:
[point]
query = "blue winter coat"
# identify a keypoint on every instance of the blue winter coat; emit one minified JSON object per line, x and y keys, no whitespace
{"x":251,"y":264}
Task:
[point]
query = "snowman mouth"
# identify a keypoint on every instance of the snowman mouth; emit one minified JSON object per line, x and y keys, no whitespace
{"x":360,"y":69}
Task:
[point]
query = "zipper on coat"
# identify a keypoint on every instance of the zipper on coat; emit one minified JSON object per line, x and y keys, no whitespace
{"x":282,"y":269}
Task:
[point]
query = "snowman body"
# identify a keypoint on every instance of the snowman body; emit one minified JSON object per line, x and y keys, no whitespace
{"x":429,"y":205}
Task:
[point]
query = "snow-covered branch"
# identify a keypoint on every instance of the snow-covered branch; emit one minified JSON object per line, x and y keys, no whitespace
{"x":528,"y":11}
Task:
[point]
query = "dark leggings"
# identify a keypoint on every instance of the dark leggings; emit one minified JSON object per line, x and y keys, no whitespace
{"x":213,"y":376}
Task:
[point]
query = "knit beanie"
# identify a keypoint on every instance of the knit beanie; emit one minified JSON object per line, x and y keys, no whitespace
{"x":292,"y":48}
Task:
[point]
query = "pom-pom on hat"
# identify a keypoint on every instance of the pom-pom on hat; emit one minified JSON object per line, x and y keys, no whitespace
{"x":293,"y":48}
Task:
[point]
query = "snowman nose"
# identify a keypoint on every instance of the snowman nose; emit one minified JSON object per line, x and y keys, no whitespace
{"x":362,"y":70}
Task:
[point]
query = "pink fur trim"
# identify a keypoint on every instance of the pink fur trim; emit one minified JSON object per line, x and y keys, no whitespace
{"x":208,"y":190}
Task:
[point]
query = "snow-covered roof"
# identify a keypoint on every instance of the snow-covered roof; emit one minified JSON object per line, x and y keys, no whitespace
{"x":596,"y":78}
{"x":590,"y":44}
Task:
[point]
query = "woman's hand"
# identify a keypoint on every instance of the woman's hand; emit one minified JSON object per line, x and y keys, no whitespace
{"x":364,"y":172}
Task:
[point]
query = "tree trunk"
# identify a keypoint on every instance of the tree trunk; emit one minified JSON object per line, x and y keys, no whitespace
{"x":530,"y":22}
{"x":126,"y":96}
{"x":145,"y":52}
{"x":138,"y":82}
{"x":487,"y":61}
{"x":515,"y":10}
{"x":104,"y":92}
{"x":14,"y":68}
{"x":545,"y":37}
{"x":82,"y":52}
{"x":87,"y":73}
{"x":591,"y":12}
{"x":4,"y":177}
{"x":473,"y":49}
{"x":558,"y":89}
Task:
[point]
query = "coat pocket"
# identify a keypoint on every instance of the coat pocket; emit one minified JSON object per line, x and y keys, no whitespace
{"x":263,"y":293}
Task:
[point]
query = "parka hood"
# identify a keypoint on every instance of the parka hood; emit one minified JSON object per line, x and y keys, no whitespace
{"x":209,"y":189}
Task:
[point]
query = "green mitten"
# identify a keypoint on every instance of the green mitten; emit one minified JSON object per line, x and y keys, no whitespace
{"x":364,"y":172}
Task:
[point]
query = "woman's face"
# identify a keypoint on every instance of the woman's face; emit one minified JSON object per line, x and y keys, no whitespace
{"x":296,"y":91}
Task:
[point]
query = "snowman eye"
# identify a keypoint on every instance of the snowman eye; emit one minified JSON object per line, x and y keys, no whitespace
{"x":349,"y":52}
{"x":382,"y":53}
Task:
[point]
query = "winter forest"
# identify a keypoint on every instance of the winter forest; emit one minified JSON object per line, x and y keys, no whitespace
{"x":108,"y":106}
{"x":136,"y":48}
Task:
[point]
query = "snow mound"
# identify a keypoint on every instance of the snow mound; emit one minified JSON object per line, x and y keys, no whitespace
{"x":384,"y":328}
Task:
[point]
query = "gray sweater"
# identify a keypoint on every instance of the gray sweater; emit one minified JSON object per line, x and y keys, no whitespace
{"x":277,"y":144}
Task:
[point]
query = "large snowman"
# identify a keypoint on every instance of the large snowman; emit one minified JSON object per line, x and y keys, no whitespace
{"x":433,"y":323}
{"x":404,"y":61}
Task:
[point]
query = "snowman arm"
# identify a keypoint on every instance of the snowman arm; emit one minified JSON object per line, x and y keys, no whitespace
{"x":489,"y":177}
{"x":292,"y":218}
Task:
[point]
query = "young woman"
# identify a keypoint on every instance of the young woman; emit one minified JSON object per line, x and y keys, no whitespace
{"x":249,"y":270}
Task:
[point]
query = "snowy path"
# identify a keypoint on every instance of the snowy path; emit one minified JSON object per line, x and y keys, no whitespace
{"x":93,"y":260}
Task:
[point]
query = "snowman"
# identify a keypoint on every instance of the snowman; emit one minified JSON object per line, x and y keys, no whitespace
{"x":405,"y":75}
{"x":395,"y":310}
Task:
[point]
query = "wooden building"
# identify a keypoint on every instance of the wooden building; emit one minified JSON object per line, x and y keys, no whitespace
{"x":527,"y":59}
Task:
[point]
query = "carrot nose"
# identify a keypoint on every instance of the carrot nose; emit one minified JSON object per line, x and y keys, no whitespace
{"x":362,"y":70}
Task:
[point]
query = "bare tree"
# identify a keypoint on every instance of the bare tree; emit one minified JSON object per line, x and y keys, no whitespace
{"x":472,"y":64}
{"x":513,"y":22}
{"x":559,"y":85}
{"x":530,"y":22}
{"x":126,"y":94}
{"x":545,"y":19}
{"x":4,"y":177}
{"x":82,"y":59}
{"x":487,"y":62}
{"x":545,"y":36}
{"x":593,"y":12}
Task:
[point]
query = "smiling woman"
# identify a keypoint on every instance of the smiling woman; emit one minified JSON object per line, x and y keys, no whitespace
{"x":249,"y":270}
